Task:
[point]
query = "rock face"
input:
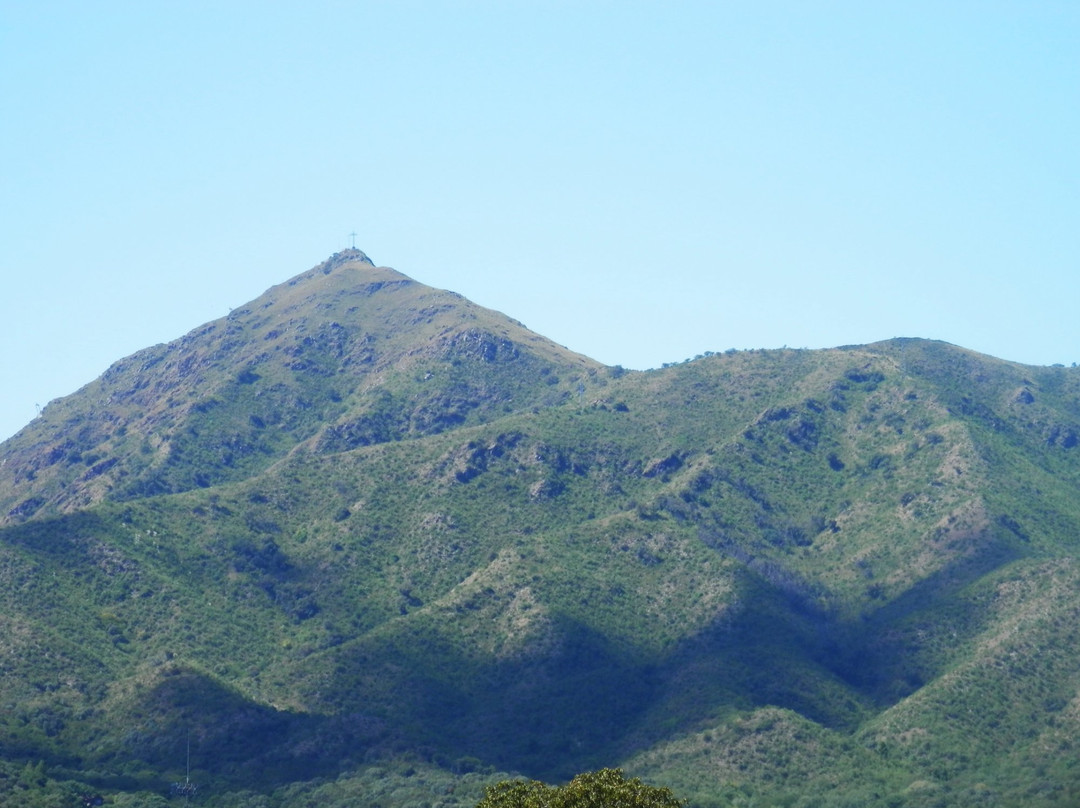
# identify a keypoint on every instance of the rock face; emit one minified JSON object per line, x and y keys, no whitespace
{"x":361,"y":521}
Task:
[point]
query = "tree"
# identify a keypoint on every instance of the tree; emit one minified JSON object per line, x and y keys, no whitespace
{"x":606,"y":788}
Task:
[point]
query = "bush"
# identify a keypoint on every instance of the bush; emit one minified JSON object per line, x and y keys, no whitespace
{"x":607,"y":788}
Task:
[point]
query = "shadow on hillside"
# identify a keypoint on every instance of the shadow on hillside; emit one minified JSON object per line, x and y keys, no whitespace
{"x":588,"y":704}
{"x":189,"y":726}
{"x":547,"y":716}
{"x":883,"y":662}
{"x":584,"y":704}
{"x":786,"y":651}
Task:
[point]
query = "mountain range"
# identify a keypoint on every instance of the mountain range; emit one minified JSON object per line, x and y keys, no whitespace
{"x":364,"y":542}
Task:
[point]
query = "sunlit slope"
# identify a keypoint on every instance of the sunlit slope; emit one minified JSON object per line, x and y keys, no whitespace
{"x":346,"y":353}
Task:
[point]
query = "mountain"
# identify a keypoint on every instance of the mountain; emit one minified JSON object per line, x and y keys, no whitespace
{"x":362,"y":541}
{"x":339,"y":357}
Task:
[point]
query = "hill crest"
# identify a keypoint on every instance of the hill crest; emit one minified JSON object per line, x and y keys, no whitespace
{"x":246,"y":389}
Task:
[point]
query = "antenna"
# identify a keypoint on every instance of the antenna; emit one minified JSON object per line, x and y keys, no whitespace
{"x":186,"y":789}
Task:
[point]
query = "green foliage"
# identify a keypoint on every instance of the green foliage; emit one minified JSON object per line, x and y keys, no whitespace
{"x":606,"y":788}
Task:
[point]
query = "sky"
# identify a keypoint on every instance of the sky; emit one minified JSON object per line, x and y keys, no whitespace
{"x":639,"y":181}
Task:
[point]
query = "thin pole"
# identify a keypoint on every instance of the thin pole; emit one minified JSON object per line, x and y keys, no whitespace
{"x":187,"y":772}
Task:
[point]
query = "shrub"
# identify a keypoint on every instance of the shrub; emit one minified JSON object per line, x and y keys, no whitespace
{"x":606,"y":788}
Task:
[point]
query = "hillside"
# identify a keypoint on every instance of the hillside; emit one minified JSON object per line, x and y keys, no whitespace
{"x":345,"y":355}
{"x":364,"y":542}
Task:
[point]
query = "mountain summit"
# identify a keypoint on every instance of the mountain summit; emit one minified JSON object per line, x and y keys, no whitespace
{"x":362,"y":541}
{"x":340,"y":356}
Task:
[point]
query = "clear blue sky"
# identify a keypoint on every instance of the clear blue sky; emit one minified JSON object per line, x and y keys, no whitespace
{"x":639,"y":181}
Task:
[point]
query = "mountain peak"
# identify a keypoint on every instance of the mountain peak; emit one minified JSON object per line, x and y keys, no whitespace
{"x":341,"y":267}
{"x":332,"y":355}
{"x":345,"y":257}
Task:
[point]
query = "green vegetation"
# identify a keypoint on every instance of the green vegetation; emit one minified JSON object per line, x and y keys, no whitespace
{"x":364,"y":543}
{"x":607,"y":788}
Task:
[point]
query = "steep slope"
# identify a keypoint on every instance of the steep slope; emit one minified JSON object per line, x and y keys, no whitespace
{"x":842,"y":577}
{"x":343,"y":355}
